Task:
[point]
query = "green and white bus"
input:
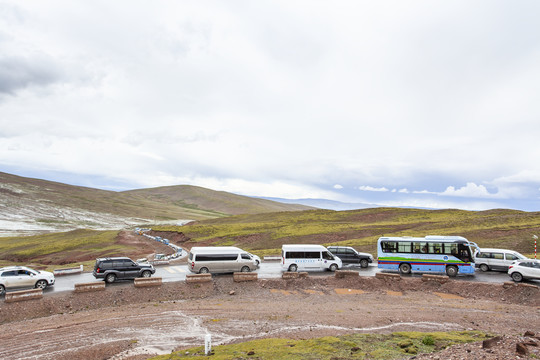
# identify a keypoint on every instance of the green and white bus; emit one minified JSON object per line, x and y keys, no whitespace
{"x":441,"y":254}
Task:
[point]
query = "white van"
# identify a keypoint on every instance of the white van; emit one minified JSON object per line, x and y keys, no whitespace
{"x":308,"y":257}
{"x":220,"y":259}
{"x":496,"y":259}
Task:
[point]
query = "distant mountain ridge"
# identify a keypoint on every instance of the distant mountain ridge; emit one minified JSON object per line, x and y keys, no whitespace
{"x":29,"y":206}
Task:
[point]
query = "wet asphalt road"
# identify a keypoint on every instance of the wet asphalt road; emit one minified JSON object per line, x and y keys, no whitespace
{"x":267,"y":270}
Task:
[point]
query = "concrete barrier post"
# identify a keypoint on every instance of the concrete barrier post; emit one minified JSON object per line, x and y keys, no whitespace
{"x":146,"y":282}
{"x":198,"y":278}
{"x":24,"y":295}
{"x":387,"y":276}
{"x":437,"y":278}
{"x":289,"y":275}
{"x":89,"y":287}
{"x":245,"y":276}
{"x":340,"y":274}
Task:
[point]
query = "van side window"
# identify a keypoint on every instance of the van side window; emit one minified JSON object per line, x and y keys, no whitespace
{"x":294,"y":255}
{"x":511,"y":257}
{"x":313,"y":254}
{"x":498,"y":256}
{"x":216,"y":257}
{"x":246,"y":257}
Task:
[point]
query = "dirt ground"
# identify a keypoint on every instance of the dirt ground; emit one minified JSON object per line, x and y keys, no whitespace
{"x":124,"y":322}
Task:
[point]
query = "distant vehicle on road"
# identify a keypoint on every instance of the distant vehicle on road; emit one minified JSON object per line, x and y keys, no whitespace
{"x":116,"y":268}
{"x":443,"y":254}
{"x":496,"y":259}
{"x":308,"y":257}
{"x":20,"y":277}
{"x":349,"y":255}
{"x":524,"y":269}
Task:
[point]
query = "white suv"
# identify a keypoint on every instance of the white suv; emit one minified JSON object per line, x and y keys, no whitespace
{"x":524,"y":269}
{"x":15,"y":277}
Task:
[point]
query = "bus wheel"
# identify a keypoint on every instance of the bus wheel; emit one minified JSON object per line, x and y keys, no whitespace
{"x":451,"y":271}
{"x":333,"y":267}
{"x":405,"y":268}
{"x":293,"y":268}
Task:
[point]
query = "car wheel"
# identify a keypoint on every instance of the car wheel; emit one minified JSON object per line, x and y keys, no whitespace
{"x":364,"y":263}
{"x":110,"y":278}
{"x":2,"y":289}
{"x":484,"y":267}
{"x":451,"y":271}
{"x":41,"y":284}
{"x":146,"y":274}
{"x":204,"y":270}
{"x":333,"y":267}
{"x":245,"y":269}
{"x":405,"y":268}
{"x":517,"y":277}
{"x":293,"y":268}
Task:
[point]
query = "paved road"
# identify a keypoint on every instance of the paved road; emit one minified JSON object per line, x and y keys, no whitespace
{"x":170,"y":273}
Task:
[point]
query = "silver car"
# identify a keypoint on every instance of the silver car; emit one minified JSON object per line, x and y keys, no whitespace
{"x":20,"y":277}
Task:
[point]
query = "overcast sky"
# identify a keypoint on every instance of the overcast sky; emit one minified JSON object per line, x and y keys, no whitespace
{"x":402,"y":103}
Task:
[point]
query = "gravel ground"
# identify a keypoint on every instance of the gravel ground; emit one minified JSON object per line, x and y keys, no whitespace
{"x":124,"y":322}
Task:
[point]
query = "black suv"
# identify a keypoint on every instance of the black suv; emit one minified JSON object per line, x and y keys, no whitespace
{"x":115,"y":268}
{"x":348,"y":255}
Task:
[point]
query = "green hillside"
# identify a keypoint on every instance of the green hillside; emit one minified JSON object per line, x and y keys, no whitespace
{"x":265,"y":233}
{"x":38,"y":199}
{"x":220,"y":202}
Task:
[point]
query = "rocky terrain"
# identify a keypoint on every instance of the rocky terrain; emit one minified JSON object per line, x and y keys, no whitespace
{"x":124,"y":322}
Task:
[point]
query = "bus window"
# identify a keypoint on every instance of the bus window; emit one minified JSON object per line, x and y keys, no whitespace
{"x":389,"y":246}
{"x":435,"y":248}
{"x":404,"y":246}
{"x":451,"y":249}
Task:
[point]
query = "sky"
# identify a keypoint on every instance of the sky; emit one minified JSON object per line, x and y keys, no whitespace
{"x":430,"y":104}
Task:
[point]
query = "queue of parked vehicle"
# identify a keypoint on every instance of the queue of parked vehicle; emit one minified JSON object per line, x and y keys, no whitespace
{"x":452,"y":255}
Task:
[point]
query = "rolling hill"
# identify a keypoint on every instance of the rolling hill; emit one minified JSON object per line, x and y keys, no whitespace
{"x":30,"y":206}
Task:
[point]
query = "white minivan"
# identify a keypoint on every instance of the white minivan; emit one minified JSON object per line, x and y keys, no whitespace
{"x":308,"y":257}
{"x":496,"y":259}
{"x":220,"y":259}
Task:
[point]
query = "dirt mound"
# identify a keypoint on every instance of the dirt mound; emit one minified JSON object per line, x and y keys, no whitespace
{"x":139,"y":322}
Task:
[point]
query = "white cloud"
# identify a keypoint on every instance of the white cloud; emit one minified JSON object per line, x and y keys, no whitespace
{"x":370,"y":188}
{"x":338,"y":187}
{"x":399,"y":96}
{"x":469,"y":190}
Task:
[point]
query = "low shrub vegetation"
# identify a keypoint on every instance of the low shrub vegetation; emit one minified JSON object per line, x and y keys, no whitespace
{"x":355,"y":346}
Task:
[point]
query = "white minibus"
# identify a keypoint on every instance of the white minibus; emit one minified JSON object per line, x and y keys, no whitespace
{"x":220,"y":259}
{"x":308,"y":257}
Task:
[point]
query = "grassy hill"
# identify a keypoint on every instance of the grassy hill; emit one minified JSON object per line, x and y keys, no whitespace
{"x":265,"y":233}
{"x":32,"y":205}
{"x":220,"y":202}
